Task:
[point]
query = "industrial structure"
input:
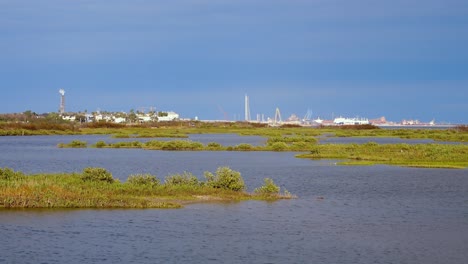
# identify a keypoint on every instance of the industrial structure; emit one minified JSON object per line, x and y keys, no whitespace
{"x":247,"y":109}
{"x":62,"y":101}
{"x":277,"y":116}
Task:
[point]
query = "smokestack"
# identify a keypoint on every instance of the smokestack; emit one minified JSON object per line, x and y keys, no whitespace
{"x":62,"y":101}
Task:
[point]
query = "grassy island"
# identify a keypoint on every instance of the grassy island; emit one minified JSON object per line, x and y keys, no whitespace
{"x":411,"y":155}
{"x":96,"y":188}
{"x":417,"y":155}
{"x":277,"y":143}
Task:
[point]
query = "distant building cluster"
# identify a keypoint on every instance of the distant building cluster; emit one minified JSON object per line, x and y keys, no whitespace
{"x":122,"y":117}
{"x":153,"y":116}
{"x":119,"y":117}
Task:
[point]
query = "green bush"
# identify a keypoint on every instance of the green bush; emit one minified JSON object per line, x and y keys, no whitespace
{"x":97,"y":175}
{"x":214,"y":146}
{"x":182,"y":145}
{"x":244,"y":147}
{"x":73,"y":144}
{"x":268,"y":188}
{"x":77,"y":144}
{"x":136,"y":144}
{"x":185,"y":178}
{"x":143,"y":179}
{"x":9,"y":174}
{"x":225,"y":178}
{"x":132,"y":144}
{"x":301,"y":146}
{"x":100,"y":144}
{"x":315,"y":150}
{"x":154,"y":144}
{"x":279,"y":146}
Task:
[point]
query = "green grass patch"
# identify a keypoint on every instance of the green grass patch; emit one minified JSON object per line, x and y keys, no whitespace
{"x":96,"y":188}
{"x":181,"y":129}
{"x":417,"y":155}
{"x":74,"y":144}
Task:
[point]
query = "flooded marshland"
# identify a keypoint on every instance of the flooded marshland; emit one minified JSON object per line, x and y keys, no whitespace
{"x":356,"y":214}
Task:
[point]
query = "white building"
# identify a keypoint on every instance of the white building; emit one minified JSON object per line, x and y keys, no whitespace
{"x":69,"y":118}
{"x":350,"y":121}
{"x":120,"y":120}
{"x":170,"y":116}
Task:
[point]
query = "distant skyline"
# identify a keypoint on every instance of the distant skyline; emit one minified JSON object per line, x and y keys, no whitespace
{"x":399,"y":59}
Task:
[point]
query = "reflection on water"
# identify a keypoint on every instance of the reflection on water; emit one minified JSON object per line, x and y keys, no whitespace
{"x":375,"y":214}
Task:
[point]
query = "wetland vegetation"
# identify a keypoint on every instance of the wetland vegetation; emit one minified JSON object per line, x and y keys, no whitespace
{"x":96,"y":188}
{"x":416,"y":155}
{"x":283,"y":138}
{"x":181,"y":129}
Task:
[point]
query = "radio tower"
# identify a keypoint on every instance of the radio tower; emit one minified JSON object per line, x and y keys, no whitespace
{"x":247,"y":108}
{"x":62,"y":101}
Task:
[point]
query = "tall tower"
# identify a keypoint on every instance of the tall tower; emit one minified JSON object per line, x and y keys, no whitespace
{"x":277,"y":116}
{"x":247,"y":108}
{"x":62,"y":101}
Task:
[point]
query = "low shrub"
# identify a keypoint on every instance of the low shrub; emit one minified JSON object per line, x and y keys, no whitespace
{"x":77,"y":144}
{"x":9,"y":174}
{"x":244,"y":147}
{"x":73,"y":144}
{"x":301,"y":146}
{"x":268,"y":188}
{"x":154,"y":144}
{"x":279,"y":146}
{"x":185,"y":178}
{"x":97,"y":175}
{"x":143,"y":179}
{"x":132,"y":144}
{"x":100,"y":144}
{"x":315,"y":150}
{"x":225,"y":178}
{"x":214,"y":146}
{"x":182,"y":145}
{"x":461,"y":128}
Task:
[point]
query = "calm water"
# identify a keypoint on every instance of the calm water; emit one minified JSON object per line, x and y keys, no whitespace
{"x":377,"y":214}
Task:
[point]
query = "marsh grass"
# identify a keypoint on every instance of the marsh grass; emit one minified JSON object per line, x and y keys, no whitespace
{"x":73,"y":144}
{"x":417,"y":155}
{"x":276,"y":143}
{"x":182,"y":129}
{"x":95,"y":188}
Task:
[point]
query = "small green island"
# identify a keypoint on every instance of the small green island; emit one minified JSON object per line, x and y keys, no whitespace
{"x":96,"y":188}
{"x":453,"y":156}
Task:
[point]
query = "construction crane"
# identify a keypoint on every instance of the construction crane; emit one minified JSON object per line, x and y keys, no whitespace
{"x":307,"y":116}
{"x":226,"y":118}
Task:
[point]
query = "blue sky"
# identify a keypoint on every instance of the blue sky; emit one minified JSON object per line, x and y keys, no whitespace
{"x":399,"y":59}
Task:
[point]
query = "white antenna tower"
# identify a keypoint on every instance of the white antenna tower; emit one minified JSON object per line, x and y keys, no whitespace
{"x":62,"y":101}
{"x":247,"y":108}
